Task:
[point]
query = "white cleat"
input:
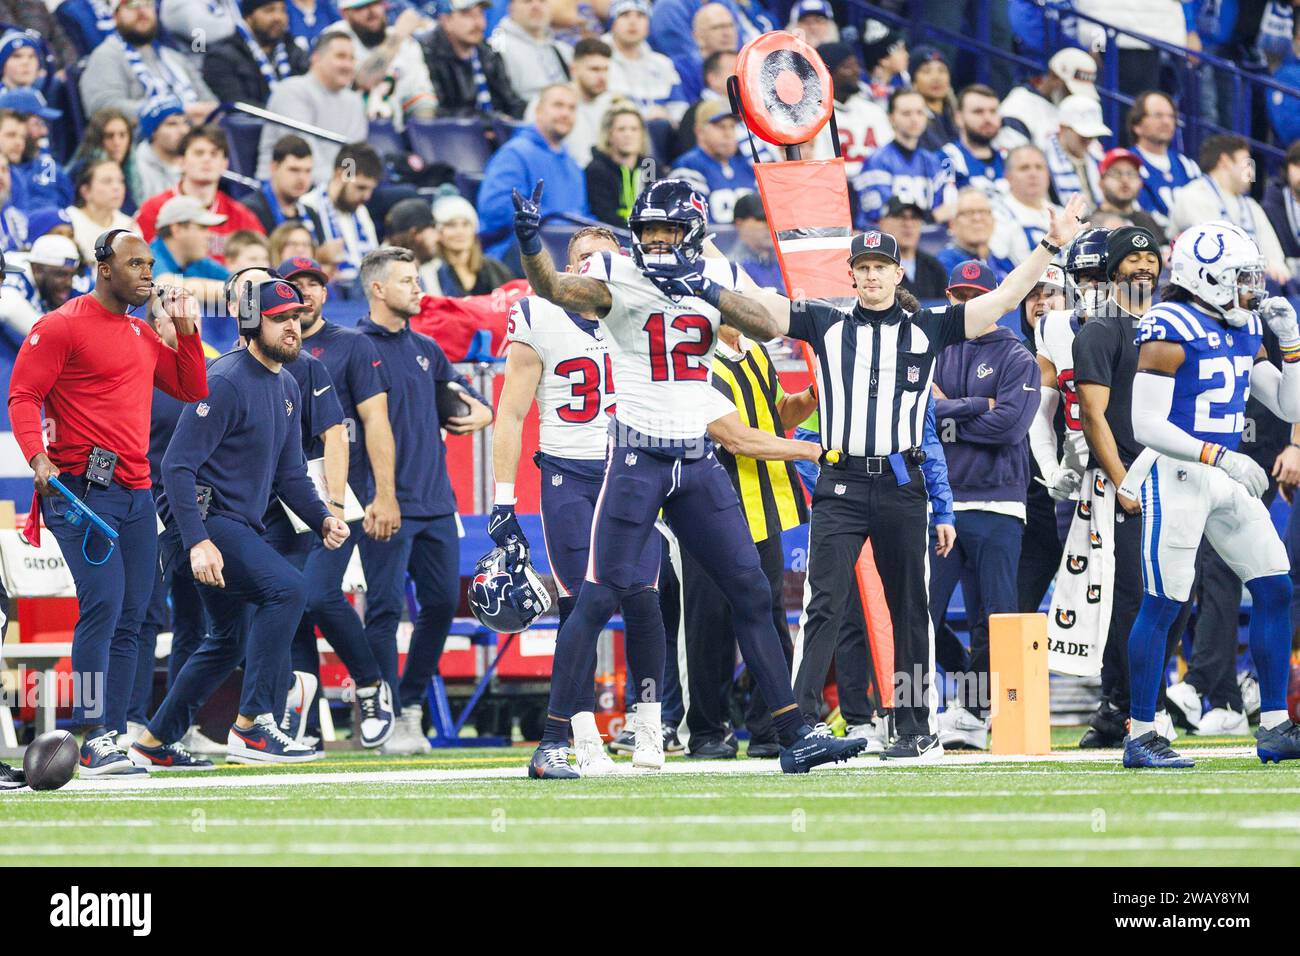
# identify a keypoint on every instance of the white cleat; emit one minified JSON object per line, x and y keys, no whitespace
{"x":592,"y":759}
{"x":1187,"y":699}
{"x":1165,"y":725}
{"x":408,"y":738}
{"x":958,"y":727}
{"x":876,"y":734}
{"x":1249,"y":685}
{"x":1222,"y":722}
{"x":297,"y":704}
{"x":197,"y":743}
{"x":649,"y":751}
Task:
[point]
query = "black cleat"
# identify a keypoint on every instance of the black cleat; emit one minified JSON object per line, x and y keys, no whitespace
{"x":1107,"y":728}
{"x":763,"y":749}
{"x":710,"y":750}
{"x":11,"y":778}
{"x":1278,"y":744}
{"x":551,"y":763}
{"x":816,"y":747}
{"x":913,"y":748}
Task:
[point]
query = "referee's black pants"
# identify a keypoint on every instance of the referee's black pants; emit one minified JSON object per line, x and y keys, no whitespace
{"x":710,"y":650}
{"x":849,"y":508}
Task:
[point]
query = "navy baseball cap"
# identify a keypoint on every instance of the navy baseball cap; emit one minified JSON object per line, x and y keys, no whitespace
{"x":302,"y":266}
{"x":278,"y":296}
{"x":874,"y":243}
{"x":972,"y":275}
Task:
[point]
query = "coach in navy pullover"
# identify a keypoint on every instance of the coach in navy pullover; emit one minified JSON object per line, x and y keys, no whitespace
{"x":986,"y":395}
{"x":427,"y":544}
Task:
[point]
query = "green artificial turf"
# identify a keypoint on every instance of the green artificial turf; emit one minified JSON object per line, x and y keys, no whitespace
{"x":368,"y":809}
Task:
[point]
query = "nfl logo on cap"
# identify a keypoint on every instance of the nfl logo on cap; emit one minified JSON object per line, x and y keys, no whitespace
{"x":871,"y":240}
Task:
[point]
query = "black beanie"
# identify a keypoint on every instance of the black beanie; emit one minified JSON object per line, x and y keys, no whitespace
{"x":1124,"y":241}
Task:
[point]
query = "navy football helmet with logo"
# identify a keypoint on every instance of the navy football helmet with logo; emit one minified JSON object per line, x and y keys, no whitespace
{"x":1085,"y":264}
{"x":673,"y":201}
{"x":506,"y":595}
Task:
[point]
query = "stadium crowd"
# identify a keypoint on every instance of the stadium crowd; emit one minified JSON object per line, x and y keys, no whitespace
{"x":107,"y":122}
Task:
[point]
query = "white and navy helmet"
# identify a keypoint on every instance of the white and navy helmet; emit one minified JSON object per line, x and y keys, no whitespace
{"x":673,"y":201}
{"x":1217,"y":262}
{"x":507,"y":601}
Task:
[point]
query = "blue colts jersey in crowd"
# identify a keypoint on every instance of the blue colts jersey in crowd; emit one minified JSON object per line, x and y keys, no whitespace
{"x":918,"y":176}
{"x":1213,"y":383}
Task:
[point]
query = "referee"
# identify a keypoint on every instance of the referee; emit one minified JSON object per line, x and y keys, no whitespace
{"x":875,"y":365}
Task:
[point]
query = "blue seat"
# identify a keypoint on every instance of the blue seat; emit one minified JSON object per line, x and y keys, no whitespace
{"x":386,"y":139}
{"x":460,"y":143}
{"x":506,"y":128}
{"x":245,"y":134}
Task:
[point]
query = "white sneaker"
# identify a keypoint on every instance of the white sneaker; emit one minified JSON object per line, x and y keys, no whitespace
{"x":1222,"y":722}
{"x":958,"y":727}
{"x":875,"y":733}
{"x":133,"y":732}
{"x":592,"y":759}
{"x":408,"y":738}
{"x":1249,"y":685}
{"x":196,"y":743}
{"x":297,"y":704}
{"x":1188,"y":701}
{"x":265,"y":742}
{"x":649,"y":751}
{"x":1165,"y":725}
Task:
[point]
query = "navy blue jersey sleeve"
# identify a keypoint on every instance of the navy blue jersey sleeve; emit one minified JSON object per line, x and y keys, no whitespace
{"x":291,"y":482}
{"x":202,"y":427}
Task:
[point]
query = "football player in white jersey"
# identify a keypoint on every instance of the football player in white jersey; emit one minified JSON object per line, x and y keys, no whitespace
{"x":562,"y":362}
{"x":1200,"y":356}
{"x":661,"y":309}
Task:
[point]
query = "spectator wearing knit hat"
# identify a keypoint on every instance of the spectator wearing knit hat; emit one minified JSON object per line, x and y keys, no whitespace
{"x":638,"y":73}
{"x":884,"y":57}
{"x":465,"y":270}
{"x":157,"y":152}
{"x":20,"y":59}
{"x":862,"y":124}
{"x":933,"y":80}
{"x":247,"y":65}
{"x":37,"y":17}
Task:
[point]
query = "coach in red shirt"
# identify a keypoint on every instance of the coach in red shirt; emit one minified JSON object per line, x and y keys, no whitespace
{"x":93,"y":366}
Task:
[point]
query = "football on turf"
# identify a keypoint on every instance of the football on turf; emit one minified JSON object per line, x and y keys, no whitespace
{"x":51,"y":760}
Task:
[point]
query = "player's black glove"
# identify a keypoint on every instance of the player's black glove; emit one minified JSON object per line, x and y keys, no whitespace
{"x":528,"y":220}
{"x":684,"y":278}
{"x":503,"y":528}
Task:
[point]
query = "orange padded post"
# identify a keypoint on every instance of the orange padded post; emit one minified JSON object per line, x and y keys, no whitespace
{"x":1021,"y":715}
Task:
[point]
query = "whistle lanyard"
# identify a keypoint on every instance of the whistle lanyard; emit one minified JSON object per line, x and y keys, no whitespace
{"x":1247,"y":221}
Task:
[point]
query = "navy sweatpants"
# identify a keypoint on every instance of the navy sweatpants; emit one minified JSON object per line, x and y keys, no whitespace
{"x":264,"y":599}
{"x":429,"y":549}
{"x":175,"y":598}
{"x":337,"y":619}
{"x":988,"y":551}
{"x":700,"y":506}
{"x":303,"y":655}
{"x":112,"y":596}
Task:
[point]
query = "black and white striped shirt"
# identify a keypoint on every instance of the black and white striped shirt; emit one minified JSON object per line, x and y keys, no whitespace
{"x":874,"y":371}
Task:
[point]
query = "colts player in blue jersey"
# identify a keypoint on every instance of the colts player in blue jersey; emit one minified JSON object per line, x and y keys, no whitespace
{"x":1199,"y":360}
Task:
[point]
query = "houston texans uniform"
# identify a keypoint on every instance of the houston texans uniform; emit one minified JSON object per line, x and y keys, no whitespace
{"x":575,"y":398}
{"x":660,"y":457}
{"x":1054,"y":338}
{"x":1181,"y":500}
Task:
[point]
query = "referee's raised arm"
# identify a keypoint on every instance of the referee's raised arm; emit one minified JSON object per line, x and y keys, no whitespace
{"x":983,"y":311}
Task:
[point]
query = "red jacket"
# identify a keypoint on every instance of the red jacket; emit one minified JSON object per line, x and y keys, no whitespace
{"x":452,"y":322}
{"x":94,"y":372}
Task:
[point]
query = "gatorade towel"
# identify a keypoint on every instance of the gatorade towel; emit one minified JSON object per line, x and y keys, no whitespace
{"x":785,"y":92}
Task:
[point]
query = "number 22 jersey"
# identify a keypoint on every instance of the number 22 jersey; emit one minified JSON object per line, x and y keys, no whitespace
{"x":662,"y":348}
{"x":1212,"y":385}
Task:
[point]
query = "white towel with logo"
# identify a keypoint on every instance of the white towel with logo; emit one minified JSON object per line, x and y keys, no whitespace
{"x":1079,"y":619}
